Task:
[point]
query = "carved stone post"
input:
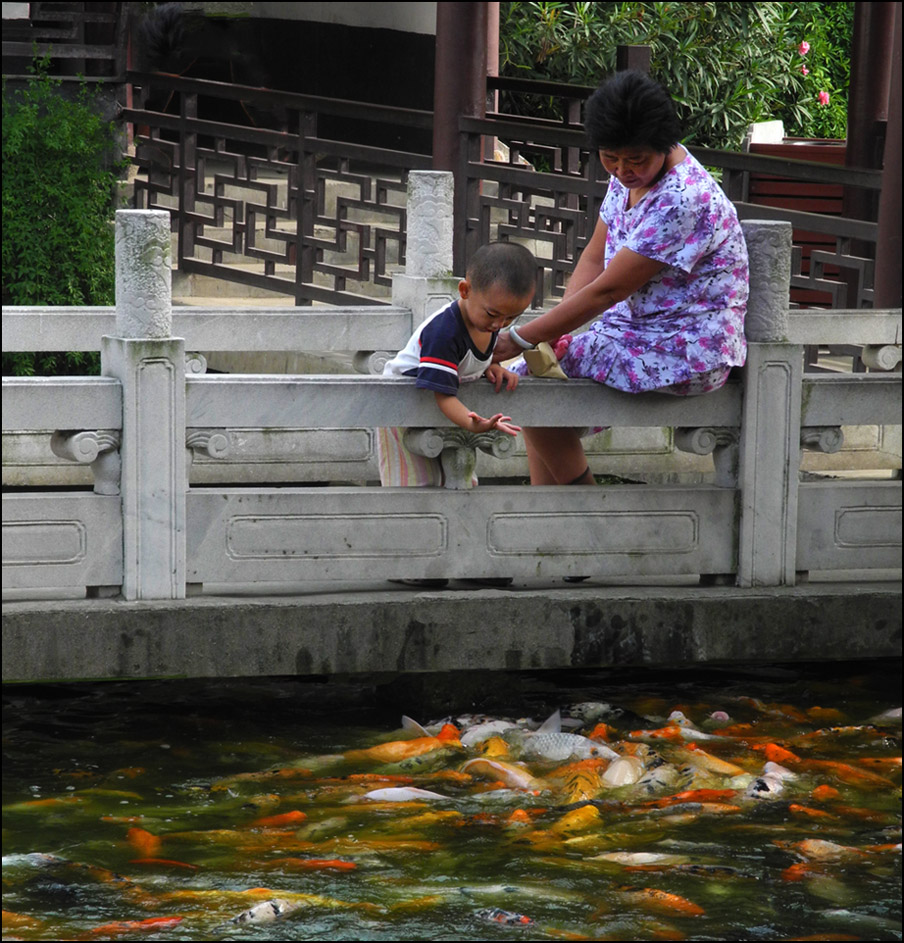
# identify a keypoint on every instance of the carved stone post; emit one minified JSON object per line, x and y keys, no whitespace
{"x":428,"y":282}
{"x":150,"y":364}
{"x":769,"y":457}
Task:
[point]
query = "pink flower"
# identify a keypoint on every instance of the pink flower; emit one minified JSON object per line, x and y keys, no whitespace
{"x":804,"y":70}
{"x":803,"y":48}
{"x":823,"y":98}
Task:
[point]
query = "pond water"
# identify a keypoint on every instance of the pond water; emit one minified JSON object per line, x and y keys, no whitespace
{"x":167,"y":809}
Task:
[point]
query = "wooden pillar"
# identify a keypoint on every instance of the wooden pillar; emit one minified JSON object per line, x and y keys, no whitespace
{"x":888,"y":249}
{"x":460,"y":90}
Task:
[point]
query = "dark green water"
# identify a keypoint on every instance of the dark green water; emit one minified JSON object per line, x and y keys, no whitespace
{"x":149,"y":801}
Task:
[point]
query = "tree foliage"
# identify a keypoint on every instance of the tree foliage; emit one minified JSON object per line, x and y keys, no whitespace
{"x":59,"y":188}
{"x":727,"y":65}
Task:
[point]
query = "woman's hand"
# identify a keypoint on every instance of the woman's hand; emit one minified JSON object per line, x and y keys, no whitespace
{"x":498,"y":376}
{"x":506,"y":348}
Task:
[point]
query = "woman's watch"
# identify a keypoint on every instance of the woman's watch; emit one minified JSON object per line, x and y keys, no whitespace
{"x":519,"y":340}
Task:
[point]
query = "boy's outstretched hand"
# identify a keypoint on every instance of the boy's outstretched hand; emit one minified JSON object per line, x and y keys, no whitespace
{"x":500,"y":422}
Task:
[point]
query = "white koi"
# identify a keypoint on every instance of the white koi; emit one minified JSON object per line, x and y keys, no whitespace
{"x":402,"y":794}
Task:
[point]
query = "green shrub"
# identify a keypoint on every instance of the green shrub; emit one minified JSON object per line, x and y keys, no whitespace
{"x":58,"y":207}
{"x":727,"y":65}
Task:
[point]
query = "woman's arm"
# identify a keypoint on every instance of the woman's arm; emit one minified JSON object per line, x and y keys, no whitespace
{"x":591,"y":291}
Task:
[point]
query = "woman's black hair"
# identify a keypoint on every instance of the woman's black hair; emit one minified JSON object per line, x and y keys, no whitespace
{"x":631,"y":110}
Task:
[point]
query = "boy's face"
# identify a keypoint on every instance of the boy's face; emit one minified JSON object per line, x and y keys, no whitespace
{"x":492,"y":308}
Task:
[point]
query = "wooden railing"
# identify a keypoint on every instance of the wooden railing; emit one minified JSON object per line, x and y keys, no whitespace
{"x":302,"y":205}
{"x":147,"y":535}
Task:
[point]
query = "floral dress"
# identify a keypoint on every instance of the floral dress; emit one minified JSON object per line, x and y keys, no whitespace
{"x":684,"y":330}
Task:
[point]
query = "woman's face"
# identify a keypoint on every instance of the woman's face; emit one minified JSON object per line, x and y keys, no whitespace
{"x":633,"y":167}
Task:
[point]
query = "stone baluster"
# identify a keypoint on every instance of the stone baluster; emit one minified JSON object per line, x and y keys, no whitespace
{"x":150,"y":364}
{"x":769,"y":452}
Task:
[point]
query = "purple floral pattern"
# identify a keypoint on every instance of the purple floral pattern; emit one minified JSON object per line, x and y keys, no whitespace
{"x":688,"y":320}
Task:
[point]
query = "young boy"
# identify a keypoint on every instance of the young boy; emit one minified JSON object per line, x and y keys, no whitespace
{"x":455,"y":345}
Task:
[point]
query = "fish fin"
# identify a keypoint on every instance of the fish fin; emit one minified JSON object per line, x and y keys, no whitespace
{"x":409,"y":723}
{"x":552,"y":724}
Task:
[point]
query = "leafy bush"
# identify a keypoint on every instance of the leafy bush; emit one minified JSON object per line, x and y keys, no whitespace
{"x":727,"y":65}
{"x":59,"y":182}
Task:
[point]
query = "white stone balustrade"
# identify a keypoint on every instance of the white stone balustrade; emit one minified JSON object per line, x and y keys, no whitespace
{"x":757,"y":522}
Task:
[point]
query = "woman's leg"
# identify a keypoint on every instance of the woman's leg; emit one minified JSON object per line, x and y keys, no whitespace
{"x":555,"y":456}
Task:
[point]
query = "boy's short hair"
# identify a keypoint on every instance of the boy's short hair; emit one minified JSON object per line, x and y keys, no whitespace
{"x":506,"y":264}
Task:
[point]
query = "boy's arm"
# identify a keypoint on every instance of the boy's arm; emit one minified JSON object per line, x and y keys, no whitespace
{"x":455,"y":410}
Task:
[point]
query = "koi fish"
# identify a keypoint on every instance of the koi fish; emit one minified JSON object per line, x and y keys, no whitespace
{"x":265,"y":912}
{"x":564,"y":746}
{"x":131,"y":926}
{"x":625,"y":771}
{"x":310,"y":864}
{"x":396,"y":750}
{"x":481,"y":732}
{"x":403,"y":794}
{"x":165,"y":862}
{"x":581,"y":780}
{"x":652,"y":898}
{"x":295,"y":817}
{"x":515,"y":777}
{"x":505,"y":917}
{"x":143,"y":841}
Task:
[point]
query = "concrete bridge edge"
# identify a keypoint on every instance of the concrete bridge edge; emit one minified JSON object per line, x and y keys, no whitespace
{"x":361,"y":631}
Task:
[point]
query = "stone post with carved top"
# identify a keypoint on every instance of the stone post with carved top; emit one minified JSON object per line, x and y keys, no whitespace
{"x":150,"y":364}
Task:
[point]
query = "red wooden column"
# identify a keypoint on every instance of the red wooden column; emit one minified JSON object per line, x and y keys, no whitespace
{"x":460,"y":89}
{"x":888,"y":247}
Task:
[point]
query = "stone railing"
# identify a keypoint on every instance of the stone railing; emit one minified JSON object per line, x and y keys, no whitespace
{"x":144,"y":533}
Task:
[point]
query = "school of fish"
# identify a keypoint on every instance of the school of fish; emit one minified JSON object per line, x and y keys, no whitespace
{"x":649,"y":810}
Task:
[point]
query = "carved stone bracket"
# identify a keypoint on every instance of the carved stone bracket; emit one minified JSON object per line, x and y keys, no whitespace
{"x":98,"y":448}
{"x":457,"y":450}
{"x":721,"y":442}
{"x":214,"y":442}
{"x":826,"y":439}
{"x":195,"y":364}
{"x":371,"y":362}
{"x":885,"y":357}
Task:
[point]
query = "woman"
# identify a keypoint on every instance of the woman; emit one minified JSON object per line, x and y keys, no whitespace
{"x":666,"y":267}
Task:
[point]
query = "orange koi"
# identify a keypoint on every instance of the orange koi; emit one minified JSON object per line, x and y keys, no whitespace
{"x":777,"y":754}
{"x":669,"y":732}
{"x":799,"y":872}
{"x":845,"y":772}
{"x":130,"y":926}
{"x":817,"y":849}
{"x":662,"y":901}
{"x":603,"y":732}
{"x":449,"y":732}
{"x":824,"y":793}
{"x":865,"y":815}
{"x":130,"y":772}
{"x":703,"y":795}
{"x":375,"y":778}
{"x":825,"y":715}
{"x":312,"y":864}
{"x":518,"y":817}
{"x":143,"y":841}
{"x":396,"y":750}
{"x":890,"y":763}
{"x":295,"y":817}
{"x":168,"y":862}
{"x":804,"y":811}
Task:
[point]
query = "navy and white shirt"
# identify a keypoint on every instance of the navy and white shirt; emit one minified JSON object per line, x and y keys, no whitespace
{"x":441,"y":353}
